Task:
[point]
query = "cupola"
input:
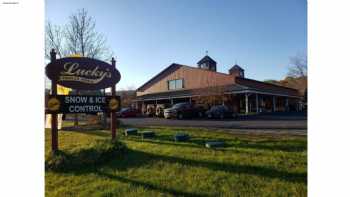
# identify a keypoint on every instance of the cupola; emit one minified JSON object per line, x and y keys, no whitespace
{"x":207,"y":63}
{"x":236,"y":71}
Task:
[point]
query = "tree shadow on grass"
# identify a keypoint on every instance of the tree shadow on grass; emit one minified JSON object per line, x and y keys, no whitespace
{"x":281,"y":145}
{"x":170,"y":143}
{"x":194,"y":141}
{"x":198,"y":142}
{"x":263,"y":171}
{"x":94,"y":132}
{"x":146,"y":185}
{"x":185,"y":144}
{"x":138,"y":159}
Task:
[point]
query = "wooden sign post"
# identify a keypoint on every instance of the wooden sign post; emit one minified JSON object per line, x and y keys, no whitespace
{"x":81,"y":73}
{"x":113,"y":114}
{"x":54,"y":130}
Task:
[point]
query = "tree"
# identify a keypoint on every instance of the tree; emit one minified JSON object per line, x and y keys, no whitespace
{"x":298,"y":66}
{"x":272,"y":81}
{"x":211,"y":94}
{"x":128,"y":95}
{"x":54,"y":40}
{"x":77,"y":37}
{"x":297,"y":75}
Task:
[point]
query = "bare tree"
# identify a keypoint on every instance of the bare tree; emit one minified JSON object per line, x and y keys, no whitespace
{"x":128,"y":95}
{"x":77,"y":37}
{"x":298,"y":67}
{"x":210,"y":95}
{"x":297,"y":74}
{"x":83,"y":39}
{"x":54,"y":39}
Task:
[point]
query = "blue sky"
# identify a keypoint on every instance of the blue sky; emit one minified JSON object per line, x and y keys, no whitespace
{"x":149,"y":35}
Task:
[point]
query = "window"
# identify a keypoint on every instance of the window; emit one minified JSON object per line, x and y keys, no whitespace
{"x":171,"y":85}
{"x":175,"y":84}
{"x":205,"y":65}
{"x":178,"y":105}
{"x":178,"y":84}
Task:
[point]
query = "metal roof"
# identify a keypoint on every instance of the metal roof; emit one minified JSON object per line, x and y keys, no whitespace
{"x":206,"y":59}
{"x":227,"y":89}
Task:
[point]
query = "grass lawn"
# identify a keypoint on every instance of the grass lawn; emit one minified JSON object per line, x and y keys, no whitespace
{"x":250,"y":165}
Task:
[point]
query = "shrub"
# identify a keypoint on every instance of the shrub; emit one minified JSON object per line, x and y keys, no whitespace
{"x":97,"y":153}
{"x":58,"y":161}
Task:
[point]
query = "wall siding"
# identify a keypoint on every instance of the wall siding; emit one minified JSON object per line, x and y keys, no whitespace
{"x":193,"y":78}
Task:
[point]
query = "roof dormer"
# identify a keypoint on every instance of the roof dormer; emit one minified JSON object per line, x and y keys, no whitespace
{"x":236,"y":71}
{"x":207,"y":63}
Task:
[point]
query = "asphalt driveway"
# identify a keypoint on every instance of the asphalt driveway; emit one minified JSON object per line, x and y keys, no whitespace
{"x":278,"y":121}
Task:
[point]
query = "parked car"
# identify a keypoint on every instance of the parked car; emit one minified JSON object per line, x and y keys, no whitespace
{"x":220,"y":111}
{"x":150,"y":110}
{"x":201,"y":109}
{"x":183,"y":110}
{"x":127,"y":112}
{"x":160,"y":109}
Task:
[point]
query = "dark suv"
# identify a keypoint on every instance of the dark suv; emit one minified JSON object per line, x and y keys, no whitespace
{"x":183,"y":110}
{"x":220,"y":111}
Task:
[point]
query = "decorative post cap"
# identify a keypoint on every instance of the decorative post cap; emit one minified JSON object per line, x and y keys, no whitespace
{"x":113,"y":61}
{"x":53,"y":54}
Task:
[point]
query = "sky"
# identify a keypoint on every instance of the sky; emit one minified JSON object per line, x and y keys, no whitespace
{"x":146,"y":36}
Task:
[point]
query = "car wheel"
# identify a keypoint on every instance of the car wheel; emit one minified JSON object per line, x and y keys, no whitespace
{"x":222,"y":116}
{"x":209,"y":115}
{"x":180,"y":116}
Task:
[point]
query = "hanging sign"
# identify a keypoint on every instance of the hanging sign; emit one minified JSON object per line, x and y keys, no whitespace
{"x":82,"y":73}
{"x":82,"y":104}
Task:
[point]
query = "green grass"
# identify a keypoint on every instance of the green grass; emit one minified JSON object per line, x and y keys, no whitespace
{"x":249,"y":165}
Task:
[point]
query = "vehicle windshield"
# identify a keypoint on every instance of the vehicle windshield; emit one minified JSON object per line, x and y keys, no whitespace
{"x":178,"y":105}
{"x":124,"y":109}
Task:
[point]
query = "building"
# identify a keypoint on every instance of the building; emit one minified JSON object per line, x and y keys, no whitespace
{"x":204,"y":85}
